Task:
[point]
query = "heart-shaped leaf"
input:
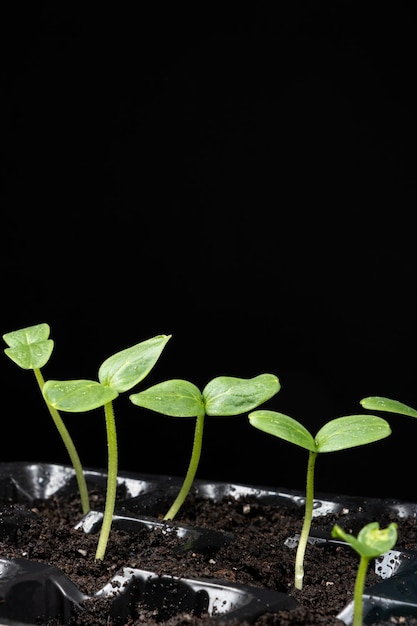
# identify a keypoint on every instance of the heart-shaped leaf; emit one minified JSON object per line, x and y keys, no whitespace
{"x":30,"y":347}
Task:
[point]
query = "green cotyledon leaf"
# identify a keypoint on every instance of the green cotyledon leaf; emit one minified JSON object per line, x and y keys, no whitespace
{"x":77,"y":396}
{"x":29,"y":347}
{"x":371,"y":541}
{"x":350,"y":431}
{"x":226,"y":395}
{"x":176,"y":398}
{"x":127,"y":368}
{"x":378,"y":403}
{"x":284,"y":427}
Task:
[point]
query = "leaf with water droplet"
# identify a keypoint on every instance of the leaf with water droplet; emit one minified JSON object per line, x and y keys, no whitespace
{"x":29,"y":347}
{"x":127,"y":368}
{"x":176,"y":398}
{"x":227,"y":395}
{"x":76,"y":396}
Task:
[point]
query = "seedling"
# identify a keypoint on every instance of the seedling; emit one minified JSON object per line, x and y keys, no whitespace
{"x":338,"y":434}
{"x":378,"y":403}
{"x":31,"y":348}
{"x":370,"y":543}
{"x":222,"y":396}
{"x":119,"y":373}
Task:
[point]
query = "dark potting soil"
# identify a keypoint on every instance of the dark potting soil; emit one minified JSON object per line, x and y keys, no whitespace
{"x":258,"y":557}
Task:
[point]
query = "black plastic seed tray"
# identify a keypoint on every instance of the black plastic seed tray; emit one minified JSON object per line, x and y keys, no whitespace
{"x":30,"y":591}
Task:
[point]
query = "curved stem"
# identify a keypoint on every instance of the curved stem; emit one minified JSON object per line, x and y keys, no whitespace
{"x":358,"y":591}
{"x":111,"y":481}
{"x":308,"y":516}
{"x":192,"y":469}
{"x":73,"y":454}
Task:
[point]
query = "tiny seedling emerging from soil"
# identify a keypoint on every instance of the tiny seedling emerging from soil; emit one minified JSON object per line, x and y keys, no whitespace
{"x":370,"y":543}
{"x":338,"y":434}
{"x":119,"y":373}
{"x":31,"y":348}
{"x":222,"y":396}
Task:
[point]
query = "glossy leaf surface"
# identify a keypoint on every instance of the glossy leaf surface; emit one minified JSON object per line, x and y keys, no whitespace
{"x":338,"y":434}
{"x":30,"y":347}
{"x":176,"y":398}
{"x":378,"y":403}
{"x":127,"y":368}
{"x":226,"y":395}
{"x":284,"y":427}
{"x":76,"y":396}
{"x":350,"y":431}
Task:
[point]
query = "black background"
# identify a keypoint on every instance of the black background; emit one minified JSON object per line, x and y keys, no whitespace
{"x":243,"y":179}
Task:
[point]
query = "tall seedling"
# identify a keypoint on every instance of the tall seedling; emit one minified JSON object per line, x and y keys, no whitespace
{"x":338,"y":434}
{"x":119,"y":373}
{"x":222,"y":396}
{"x":31,"y":348}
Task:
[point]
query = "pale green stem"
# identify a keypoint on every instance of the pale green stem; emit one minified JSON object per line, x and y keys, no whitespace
{"x":308,"y":516}
{"x":73,"y":454}
{"x":192,"y":469}
{"x":111,"y":481}
{"x":358,"y":591}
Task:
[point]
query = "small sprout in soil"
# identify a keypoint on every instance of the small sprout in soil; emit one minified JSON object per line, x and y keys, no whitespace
{"x":378,"y":403}
{"x":370,"y":543}
{"x":119,"y":373}
{"x":222,"y":396}
{"x":31,"y":348}
{"x":338,"y":434}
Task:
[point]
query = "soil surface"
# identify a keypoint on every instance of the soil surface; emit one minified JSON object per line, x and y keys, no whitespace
{"x":258,"y":556}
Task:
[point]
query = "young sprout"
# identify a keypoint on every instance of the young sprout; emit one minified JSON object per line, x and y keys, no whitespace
{"x":338,"y":434}
{"x":377,"y":403}
{"x":119,"y":373}
{"x":222,"y":396}
{"x":31,"y":348}
{"x":370,"y":543}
